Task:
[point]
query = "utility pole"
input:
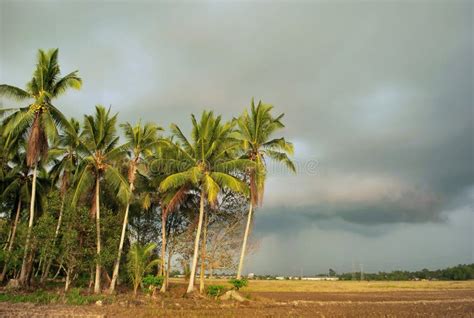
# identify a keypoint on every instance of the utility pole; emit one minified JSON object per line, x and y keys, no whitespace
{"x":361,"y":272}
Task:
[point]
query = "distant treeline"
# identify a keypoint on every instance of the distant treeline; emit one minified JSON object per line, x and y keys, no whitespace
{"x":459,"y":272}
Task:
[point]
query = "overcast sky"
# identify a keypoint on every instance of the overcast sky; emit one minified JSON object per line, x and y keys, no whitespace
{"x":377,"y":95}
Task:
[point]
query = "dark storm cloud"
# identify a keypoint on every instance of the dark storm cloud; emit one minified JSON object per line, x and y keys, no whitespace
{"x":379,"y":94}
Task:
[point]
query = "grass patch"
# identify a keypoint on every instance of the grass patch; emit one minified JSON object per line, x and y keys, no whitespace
{"x":73,"y":297}
{"x":36,"y":297}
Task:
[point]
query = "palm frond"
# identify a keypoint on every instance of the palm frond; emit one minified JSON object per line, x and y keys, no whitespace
{"x":71,"y":80}
{"x":279,"y":144}
{"x":282,"y":158}
{"x":225,"y":180}
{"x":14,"y":92}
{"x":177,"y":180}
{"x":83,"y":184}
{"x":118,"y":183}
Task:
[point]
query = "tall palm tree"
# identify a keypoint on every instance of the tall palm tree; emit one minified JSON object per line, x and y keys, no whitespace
{"x":40,"y":119}
{"x":166,"y":161}
{"x":100,"y":153}
{"x":256,"y":132}
{"x":62,"y":172}
{"x":141,"y":141}
{"x":206,"y":165}
{"x":170,"y":201}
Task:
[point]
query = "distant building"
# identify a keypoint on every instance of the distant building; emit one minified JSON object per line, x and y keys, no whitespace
{"x":251,"y":276}
{"x":280,"y":278}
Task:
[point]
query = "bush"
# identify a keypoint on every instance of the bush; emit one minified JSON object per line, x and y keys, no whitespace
{"x":74,"y":297}
{"x":151,"y":282}
{"x":215,"y":290}
{"x":239,"y":283}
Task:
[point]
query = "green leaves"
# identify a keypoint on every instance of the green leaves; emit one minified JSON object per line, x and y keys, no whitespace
{"x":139,"y":262}
{"x":256,"y":130}
{"x":208,"y":160}
{"x":71,"y":80}
{"x":118,"y":183}
{"x":225,"y":180}
{"x":14,"y":92}
{"x":45,"y":85}
{"x":177,"y":180}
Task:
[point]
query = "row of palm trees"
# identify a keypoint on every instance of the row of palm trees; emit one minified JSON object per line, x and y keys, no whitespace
{"x":217,"y":156}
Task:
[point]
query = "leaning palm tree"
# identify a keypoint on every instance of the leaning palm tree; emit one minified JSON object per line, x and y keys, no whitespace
{"x":255,"y":131}
{"x":40,"y":119}
{"x":100,"y":153}
{"x":62,"y":172}
{"x":141,"y":141}
{"x":207,"y":164}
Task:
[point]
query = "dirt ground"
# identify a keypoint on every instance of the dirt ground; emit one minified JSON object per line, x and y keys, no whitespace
{"x":411,"y":303}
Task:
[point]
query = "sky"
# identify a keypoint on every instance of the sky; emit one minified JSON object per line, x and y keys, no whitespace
{"x":377,"y":96}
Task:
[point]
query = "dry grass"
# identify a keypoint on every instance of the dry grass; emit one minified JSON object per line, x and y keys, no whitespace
{"x":347,"y":286}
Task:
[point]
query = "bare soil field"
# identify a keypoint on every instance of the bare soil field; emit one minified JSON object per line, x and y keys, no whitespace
{"x":325,"y":299}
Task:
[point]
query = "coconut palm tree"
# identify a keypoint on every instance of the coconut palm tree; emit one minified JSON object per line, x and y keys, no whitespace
{"x":206,"y":165}
{"x":98,"y":145}
{"x":40,"y":119}
{"x":166,"y":162}
{"x":62,"y":172}
{"x":141,"y":141}
{"x":256,"y":132}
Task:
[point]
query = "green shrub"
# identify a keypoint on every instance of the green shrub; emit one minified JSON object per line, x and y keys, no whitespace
{"x":74,"y":297}
{"x":215,"y":290}
{"x":151,"y":282}
{"x":239,"y":283}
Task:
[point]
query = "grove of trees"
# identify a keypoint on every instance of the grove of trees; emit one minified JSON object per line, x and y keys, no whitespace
{"x":95,"y":202}
{"x":459,"y":272}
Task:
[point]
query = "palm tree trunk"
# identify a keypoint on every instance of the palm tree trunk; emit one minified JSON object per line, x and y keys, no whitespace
{"x":24,"y":267}
{"x":45,"y":273}
{"x":119,"y":254}
{"x":40,"y":265}
{"x":12,"y":240}
{"x":203,"y":255}
{"x":163,"y":250}
{"x":8,"y":239}
{"x":169,"y":268}
{"x":196,"y":245}
{"x":68,"y":280}
{"x":58,"y":271}
{"x":244,"y":244}
{"x":97,"y":224}
{"x":91,"y":277}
